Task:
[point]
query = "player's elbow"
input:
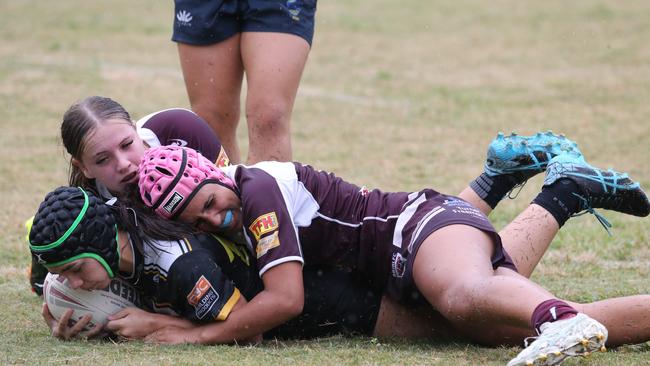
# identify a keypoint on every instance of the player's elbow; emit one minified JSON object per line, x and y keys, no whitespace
{"x":290,"y":305}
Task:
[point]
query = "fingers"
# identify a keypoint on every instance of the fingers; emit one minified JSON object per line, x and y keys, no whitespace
{"x":49,"y":319}
{"x":94,"y":331}
{"x":63,"y":330}
{"x":120,"y":314}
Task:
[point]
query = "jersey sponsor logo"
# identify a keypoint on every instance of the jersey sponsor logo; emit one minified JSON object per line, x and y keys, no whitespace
{"x":398,"y":265}
{"x":222,"y":159}
{"x":184,"y":17}
{"x":267,"y":243}
{"x":126,"y":292}
{"x":264,"y":224}
{"x":202,"y":297}
{"x":173,"y":202}
{"x":177,"y":142}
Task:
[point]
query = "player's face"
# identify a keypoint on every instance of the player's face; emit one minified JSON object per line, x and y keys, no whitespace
{"x":112,"y":154}
{"x":214,"y":208}
{"x":84,"y":273}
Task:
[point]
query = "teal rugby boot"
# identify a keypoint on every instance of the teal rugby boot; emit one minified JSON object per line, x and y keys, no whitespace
{"x":525,"y":156}
{"x":606,"y":189}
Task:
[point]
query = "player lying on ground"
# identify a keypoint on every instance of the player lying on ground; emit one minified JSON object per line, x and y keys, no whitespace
{"x":417,"y":246}
{"x":106,"y":146}
{"x":101,"y":118}
{"x":198,"y":278}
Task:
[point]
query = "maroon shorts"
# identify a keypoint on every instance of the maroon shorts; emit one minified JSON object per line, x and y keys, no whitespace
{"x":426,"y":212}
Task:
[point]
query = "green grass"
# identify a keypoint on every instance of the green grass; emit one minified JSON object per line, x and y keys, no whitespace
{"x":396,"y":94}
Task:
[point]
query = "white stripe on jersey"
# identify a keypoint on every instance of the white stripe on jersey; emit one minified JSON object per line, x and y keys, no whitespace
{"x":350,"y":224}
{"x":161,"y":254}
{"x":406,"y":215}
{"x":422,"y":223}
{"x":280,"y":261}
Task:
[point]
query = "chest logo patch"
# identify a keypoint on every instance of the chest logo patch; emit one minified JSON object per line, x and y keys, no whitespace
{"x":264,"y":224}
{"x":267,"y":243}
{"x":203,"y":297}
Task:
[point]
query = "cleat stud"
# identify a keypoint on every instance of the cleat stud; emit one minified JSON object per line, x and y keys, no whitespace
{"x":586,"y":354}
{"x":600,"y":336}
{"x":500,"y":135}
{"x":584,"y":342}
{"x":529,"y":363}
{"x":557,"y":353}
{"x":603,"y":349}
{"x":543,"y":357}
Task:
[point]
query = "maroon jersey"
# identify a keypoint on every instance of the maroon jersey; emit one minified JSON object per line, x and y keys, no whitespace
{"x":292,"y":212}
{"x":181,"y":127}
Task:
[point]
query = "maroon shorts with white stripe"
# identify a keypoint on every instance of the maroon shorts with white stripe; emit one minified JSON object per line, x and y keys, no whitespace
{"x":426,"y":212}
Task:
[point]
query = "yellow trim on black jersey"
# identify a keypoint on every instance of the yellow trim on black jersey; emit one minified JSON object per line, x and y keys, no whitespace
{"x":189,"y":246}
{"x":225,"y":311}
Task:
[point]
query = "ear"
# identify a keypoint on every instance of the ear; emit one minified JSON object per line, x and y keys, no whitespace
{"x":79,"y":165}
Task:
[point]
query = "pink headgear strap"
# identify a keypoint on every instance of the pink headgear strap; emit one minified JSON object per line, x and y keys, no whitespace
{"x":171,"y":175}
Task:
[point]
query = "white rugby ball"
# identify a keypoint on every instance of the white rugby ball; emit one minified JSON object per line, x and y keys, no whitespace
{"x":100,"y":303}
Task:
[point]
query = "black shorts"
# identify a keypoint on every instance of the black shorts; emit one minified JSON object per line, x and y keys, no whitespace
{"x":202,"y":22}
{"x":427,"y":212}
{"x":335,"y":303}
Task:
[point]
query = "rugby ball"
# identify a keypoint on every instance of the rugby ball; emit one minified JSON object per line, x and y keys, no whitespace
{"x":59,"y":297}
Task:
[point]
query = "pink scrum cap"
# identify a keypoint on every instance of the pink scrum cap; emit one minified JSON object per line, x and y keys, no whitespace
{"x":171,"y":175}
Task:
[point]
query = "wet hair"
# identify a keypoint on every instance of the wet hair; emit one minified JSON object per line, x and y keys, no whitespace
{"x":140,"y":221}
{"x":79,"y":121}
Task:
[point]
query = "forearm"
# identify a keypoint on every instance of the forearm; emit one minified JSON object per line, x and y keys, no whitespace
{"x":159,"y":321}
{"x":264,"y":312}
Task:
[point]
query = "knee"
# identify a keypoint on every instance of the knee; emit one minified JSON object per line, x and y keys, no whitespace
{"x":216,"y":114}
{"x":268,"y":118}
{"x":457,"y":302}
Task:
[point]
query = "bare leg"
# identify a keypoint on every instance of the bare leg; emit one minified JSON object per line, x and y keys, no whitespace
{"x":274,"y":63}
{"x":527,"y":237}
{"x":454,"y":273}
{"x":627,"y":319}
{"x":470,"y":196}
{"x":397,"y":320}
{"x":213,"y":78}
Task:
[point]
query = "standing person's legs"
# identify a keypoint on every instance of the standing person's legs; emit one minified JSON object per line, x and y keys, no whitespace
{"x":274,"y":63}
{"x":213,"y":77}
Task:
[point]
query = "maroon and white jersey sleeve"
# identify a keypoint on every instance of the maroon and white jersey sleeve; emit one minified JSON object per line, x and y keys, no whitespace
{"x":181,"y":127}
{"x":274,"y":205}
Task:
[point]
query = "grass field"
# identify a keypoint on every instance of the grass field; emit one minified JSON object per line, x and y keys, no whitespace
{"x":396,"y":94}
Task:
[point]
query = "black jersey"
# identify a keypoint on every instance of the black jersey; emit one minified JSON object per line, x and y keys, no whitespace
{"x":202,"y":277}
{"x":199,"y":278}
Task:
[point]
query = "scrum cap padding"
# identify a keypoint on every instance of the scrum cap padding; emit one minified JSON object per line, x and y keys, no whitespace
{"x":71,"y":224}
{"x":170,"y":176}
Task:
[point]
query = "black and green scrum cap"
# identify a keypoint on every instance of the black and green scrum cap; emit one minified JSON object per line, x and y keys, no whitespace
{"x":71,"y":224}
